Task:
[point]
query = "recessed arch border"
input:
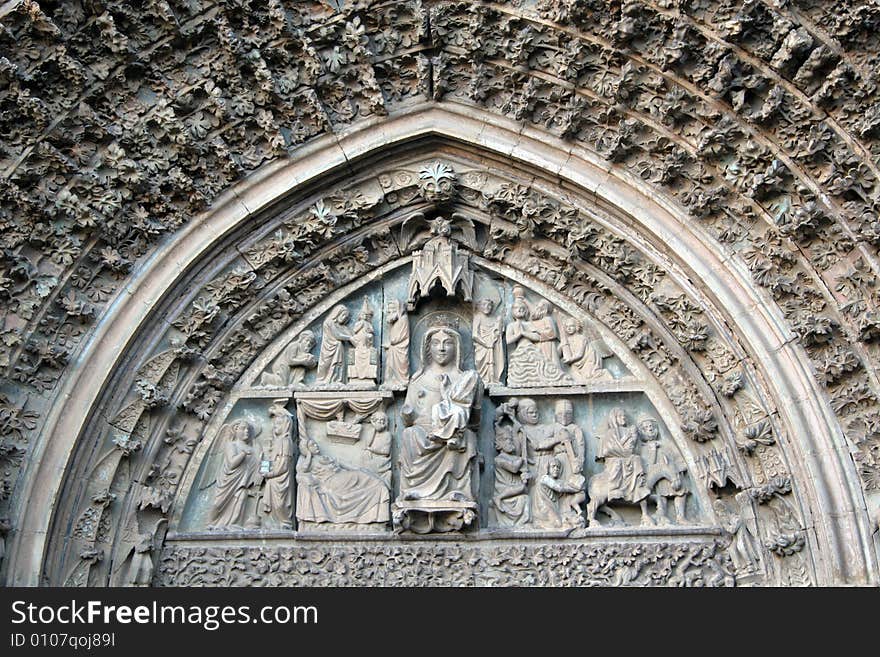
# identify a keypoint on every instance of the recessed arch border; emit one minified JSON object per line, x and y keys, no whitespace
{"x":838,"y":513}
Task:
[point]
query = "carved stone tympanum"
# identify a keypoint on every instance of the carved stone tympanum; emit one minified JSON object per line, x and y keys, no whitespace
{"x":394,"y":440}
{"x":655,"y":221}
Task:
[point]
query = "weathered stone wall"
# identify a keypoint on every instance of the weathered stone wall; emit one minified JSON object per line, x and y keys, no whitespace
{"x":757,"y":122}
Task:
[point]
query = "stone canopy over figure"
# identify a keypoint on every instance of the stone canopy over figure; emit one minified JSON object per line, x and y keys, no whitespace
{"x":438,"y":444}
{"x":440,"y":263}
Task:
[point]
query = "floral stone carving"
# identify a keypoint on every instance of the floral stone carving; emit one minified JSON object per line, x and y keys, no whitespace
{"x":755,"y":123}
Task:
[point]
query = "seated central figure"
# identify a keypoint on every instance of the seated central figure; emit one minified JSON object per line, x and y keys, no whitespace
{"x":438,"y":446}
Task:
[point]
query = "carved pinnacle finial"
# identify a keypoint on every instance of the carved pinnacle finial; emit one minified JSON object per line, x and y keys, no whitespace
{"x":366,"y":310}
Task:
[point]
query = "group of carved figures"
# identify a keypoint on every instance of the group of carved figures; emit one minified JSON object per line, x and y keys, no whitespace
{"x":539,"y":468}
{"x":347,"y":354}
{"x":537,"y":349}
{"x":543,"y":347}
{"x":245,"y":469}
{"x":327,"y":491}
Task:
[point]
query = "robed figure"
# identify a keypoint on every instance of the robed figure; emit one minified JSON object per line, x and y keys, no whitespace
{"x":624,"y":477}
{"x":331,"y":493}
{"x":510,"y":498}
{"x":277,"y":502}
{"x":239,"y":475}
{"x":618,"y":446}
{"x":396,"y":345}
{"x":438,"y":446}
{"x":488,"y":350}
{"x":335,"y":334}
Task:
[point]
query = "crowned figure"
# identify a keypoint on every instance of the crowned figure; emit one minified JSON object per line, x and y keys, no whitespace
{"x":438,"y":444}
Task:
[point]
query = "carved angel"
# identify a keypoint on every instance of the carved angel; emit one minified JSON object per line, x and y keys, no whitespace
{"x":239,"y":475}
{"x":417,"y":229}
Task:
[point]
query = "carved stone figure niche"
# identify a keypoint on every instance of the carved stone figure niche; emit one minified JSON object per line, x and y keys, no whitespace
{"x":246,"y":481}
{"x":343,"y":473}
{"x":566,"y":460}
{"x":442,"y":395}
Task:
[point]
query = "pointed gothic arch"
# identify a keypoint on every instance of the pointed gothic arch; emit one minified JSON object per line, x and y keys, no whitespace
{"x":831,"y":531}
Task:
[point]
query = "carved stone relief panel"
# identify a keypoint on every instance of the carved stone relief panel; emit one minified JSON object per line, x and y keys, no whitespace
{"x":237,"y":487}
{"x":439,"y":396}
{"x":343,"y":471}
{"x":560,"y":399}
{"x":556,"y":449}
{"x":677,"y":562}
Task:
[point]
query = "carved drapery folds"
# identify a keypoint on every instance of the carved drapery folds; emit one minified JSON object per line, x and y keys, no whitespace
{"x":491,"y":409}
{"x":758,"y":121}
{"x":332,"y":491}
{"x":534,"y":400}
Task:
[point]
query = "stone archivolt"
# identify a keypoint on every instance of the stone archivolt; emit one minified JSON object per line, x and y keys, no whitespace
{"x":641,"y":312}
{"x":758,"y":122}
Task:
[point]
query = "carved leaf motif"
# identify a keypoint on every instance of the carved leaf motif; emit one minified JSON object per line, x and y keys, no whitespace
{"x":123,"y":164}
